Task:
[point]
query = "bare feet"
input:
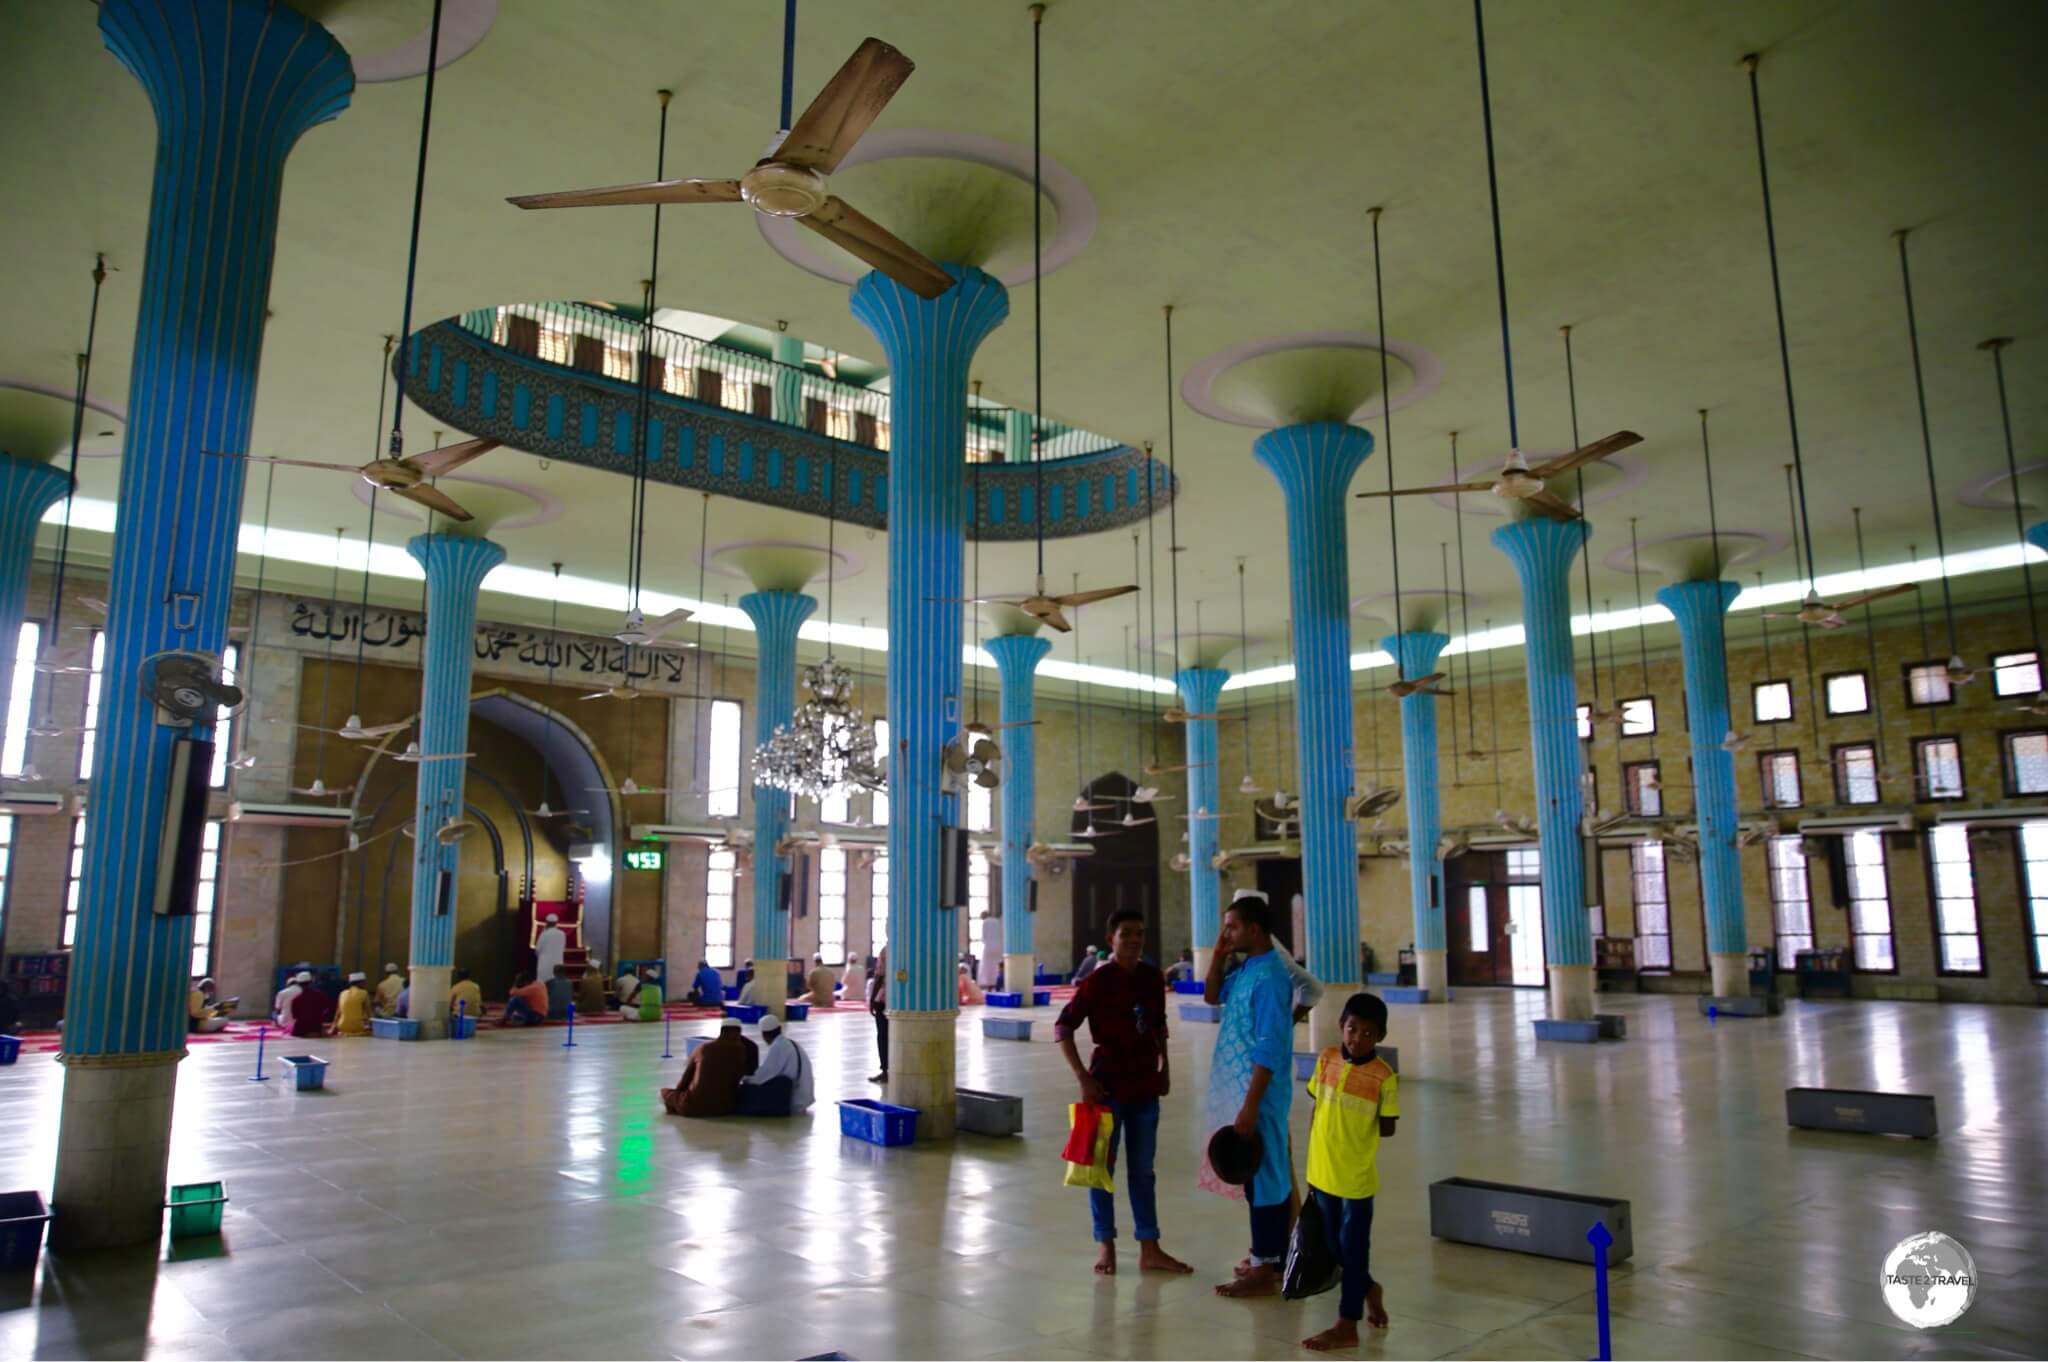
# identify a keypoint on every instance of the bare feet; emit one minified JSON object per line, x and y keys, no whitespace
{"x":1375,"y":1306}
{"x":1244,"y":1265}
{"x":1152,"y":1258}
{"x":1262,"y":1280}
{"x":1342,"y":1334}
{"x":1105,"y":1258}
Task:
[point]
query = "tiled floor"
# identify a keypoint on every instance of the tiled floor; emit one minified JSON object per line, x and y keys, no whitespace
{"x":510,"y":1198}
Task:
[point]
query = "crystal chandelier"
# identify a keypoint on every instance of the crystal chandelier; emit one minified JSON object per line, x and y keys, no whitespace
{"x":827,"y":748}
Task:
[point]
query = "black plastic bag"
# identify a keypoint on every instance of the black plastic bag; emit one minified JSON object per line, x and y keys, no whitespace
{"x":1311,"y":1268}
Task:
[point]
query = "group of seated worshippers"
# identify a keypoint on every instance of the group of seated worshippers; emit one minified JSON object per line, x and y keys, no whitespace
{"x":639,"y":991}
{"x":303,"y":1008}
{"x":729,"y":1076}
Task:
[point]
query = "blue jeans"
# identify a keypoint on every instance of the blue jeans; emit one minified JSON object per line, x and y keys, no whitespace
{"x":1347,"y":1230}
{"x":519,"y":1013}
{"x":1137,"y":1128}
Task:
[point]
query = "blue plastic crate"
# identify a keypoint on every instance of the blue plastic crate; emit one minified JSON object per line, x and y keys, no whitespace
{"x":462,"y":1027}
{"x":10,"y":1049}
{"x":878,"y":1122}
{"x":732,"y":993}
{"x":1003,"y":999}
{"x":1201,"y":1012}
{"x":309,"y":1072}
{"x":395,"y":1028}
{"x":798,"y":1011}
{"x":1041,"y":997}
{"x":1006,"y":1028}
{"x":1194,"y":986}
{"x":745,"y":1013}
{"x":22,"y":1218}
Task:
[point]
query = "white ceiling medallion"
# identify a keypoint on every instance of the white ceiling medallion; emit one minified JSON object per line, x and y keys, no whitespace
{"x":463,"y":25}
{"x":1197,"y":386}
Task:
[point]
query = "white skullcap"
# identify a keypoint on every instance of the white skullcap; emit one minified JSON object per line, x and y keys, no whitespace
{"x":390,"y":968}
{"x":553,"y":919}
{"x":355,"y":976}
{"x":302,"y":977}
{"x":771,"y":1022}
{"x":1243,"y":894}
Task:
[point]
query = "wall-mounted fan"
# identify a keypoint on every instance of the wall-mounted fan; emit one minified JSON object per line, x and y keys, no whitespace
{"x":188,"y":687}
{"x":972,"y":757}
{"x":1451,"y":845}
{"x":1372,"y":802}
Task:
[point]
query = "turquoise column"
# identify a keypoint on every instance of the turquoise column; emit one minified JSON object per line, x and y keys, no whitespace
{"x":1313,"y":462}
{"x":27,"y":490}
{"x":233,"y":84}
{"x":777,"y":616}
{"x":1542,"y":551}
{"x":456,"y":566}
{"x":929,"y":344}
{"x":1017,"y":657}
{"x":1200,"y":689}
{"x":786,"y":398}
{"x":1016,"y":436}
{"x":1417,"y":652}
{"x":2037,"y":535}
{"x":1699,"y":608}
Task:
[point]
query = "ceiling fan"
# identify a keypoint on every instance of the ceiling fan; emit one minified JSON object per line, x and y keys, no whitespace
{"x":1047,"y":610}
{"x":412,"y":755}
{"x":789,"y":182}
{"x":1131,"y":819}
{"x":1205,"y":816}
{"x":406,"y":477}
{"x":1147,"y":794}
{"x":628,"y":787}
{"x":545,"y":812}
{"x":449,"y":833}
{"x":613,"y":693}
{"x":1045,"y":853}
{"x":1174,"y":714}
{"x":1081,"y":805}
{"x":354,"y":729}
{"x":1420,"y":685}
{"x":1828,"y":615}
{"x":1519,"y":481}
{"x":1179,"y":766}
{"x":638,"y":629}
{"x":319,"y":789}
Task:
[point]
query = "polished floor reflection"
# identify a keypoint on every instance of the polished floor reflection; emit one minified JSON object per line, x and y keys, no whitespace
{"x":511,"y":1198}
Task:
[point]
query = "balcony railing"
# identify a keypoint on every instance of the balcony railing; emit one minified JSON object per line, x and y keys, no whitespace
{"x":591,"y":339}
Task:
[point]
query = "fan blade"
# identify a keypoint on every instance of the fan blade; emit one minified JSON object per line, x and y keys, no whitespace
{"x":1599,"y":449}
{"x":379,"y":730}
{"x":1869,"y":596}
{"x":434,"y":500}
{"x":647,"y":191}
{"x":1551,"y":504}
{"x":840,"y":223}
{"x":1077,"y":598}
{"x":848,"y":105}
{"x":594,"y":695}
{"x":286,"y":463}
{"x":1431,"y":491}
{"x":432,"y":463}
{"x":439,"y":756}
{"x":656,"y":628}
{"x":1052,"y":618}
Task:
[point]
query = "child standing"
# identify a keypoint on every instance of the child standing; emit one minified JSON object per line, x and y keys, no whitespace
{"x":1357,"y":1100}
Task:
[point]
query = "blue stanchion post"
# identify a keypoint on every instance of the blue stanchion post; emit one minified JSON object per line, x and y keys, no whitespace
{"x":1599,"y":1237}
{"x":260,"y":1076}
{"x":461,"y":1018}
{"x":665,"y":1051}
{"x":570,"y":1043}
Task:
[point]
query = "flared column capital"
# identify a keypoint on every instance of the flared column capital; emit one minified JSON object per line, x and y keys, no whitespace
{"x":455,"y":562}
{"x":1415,"y":651}
{"x":1313,"y":460}
{"x":915,"y":332}
{"x":1201,"y":688}
{"x":1542,"y":549}
{"x":1697,"y":604}
{"x":1017,"y":656}
{"x":777,"y":615}
{"x":27,"y":489}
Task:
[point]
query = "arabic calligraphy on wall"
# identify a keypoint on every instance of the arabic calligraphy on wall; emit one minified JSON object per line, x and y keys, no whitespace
{"x":395,"y":635}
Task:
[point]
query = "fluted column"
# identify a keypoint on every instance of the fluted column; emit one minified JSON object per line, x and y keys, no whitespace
{"x":777,"y":615}
{"x":456,"y":566}
{"x":1699,"y":608}
{"x":1542,"y":551}
{"x":1016,"y":436}
{"x":27,"y":490}
{"x":1313,"y":462}
{"x":1017,"y":657}
{"x":1417,"y":652}
{"x":929,"y":344}
{"x":786,"y":398}
{"x":1200,"y":689}
{"x":233,"y":84}
{"x":2037,"y":535}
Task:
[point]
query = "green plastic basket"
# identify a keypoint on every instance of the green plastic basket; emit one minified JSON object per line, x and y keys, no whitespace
{"x":196,"y":1208}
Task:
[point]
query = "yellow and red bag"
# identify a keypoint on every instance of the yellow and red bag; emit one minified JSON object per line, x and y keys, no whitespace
{"x":1087,"y":1150}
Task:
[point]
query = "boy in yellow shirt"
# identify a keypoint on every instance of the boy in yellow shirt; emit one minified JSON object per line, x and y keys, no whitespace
{"x":1357,"y":1100}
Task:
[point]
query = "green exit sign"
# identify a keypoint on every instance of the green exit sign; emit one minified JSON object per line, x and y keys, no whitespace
{"x":645,"y":858}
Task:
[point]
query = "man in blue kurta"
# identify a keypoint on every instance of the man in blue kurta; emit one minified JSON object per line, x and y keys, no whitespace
{"x":1248,"y":1090}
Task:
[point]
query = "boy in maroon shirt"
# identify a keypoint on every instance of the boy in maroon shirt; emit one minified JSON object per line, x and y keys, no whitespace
{"x":1124,"y":1004}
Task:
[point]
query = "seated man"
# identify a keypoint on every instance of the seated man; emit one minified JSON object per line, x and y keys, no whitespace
{"x":819,"y":983}
{"x":750,"y":992}
{"x":465,"y":999}
{"x":781,"y":1086}
{"x":853,"y":981}
{"x":527,"y":1004}
{"x":710,"y":1084}
{"x":706,"y":986}
{"x":561,"y":993}
{"x":281,"y":1005}
{"x":745,"y":975}
{"x":388,"y":989}
{"x":627,"y":986}
{"x":352,"y":1008}
{"x":970,"y":992}
{"x":1183,"y":968}
{"x":312,"y":1010}
{"x":590,"y":999}
{"x":202,"y":1013}
{"x":646,"y":999}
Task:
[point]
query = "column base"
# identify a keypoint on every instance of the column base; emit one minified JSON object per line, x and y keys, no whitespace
{"x":1731,"y":974}
{"x":1433,"y":976}
{"x":921,"y":1050}
{"x":1203,"y":956}
{"x":426,"y":1000}
{"x":113,"y":1146}
{"x":1020,"y":973}
{"x":1571,"y":992}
